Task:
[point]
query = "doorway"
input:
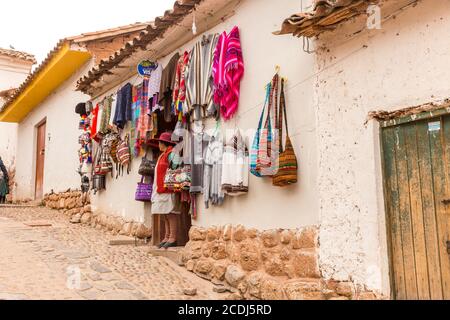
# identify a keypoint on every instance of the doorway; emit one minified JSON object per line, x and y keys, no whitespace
{"x":184,"y":219}
{"x":40,"y":160}
{"x":416,"y":163}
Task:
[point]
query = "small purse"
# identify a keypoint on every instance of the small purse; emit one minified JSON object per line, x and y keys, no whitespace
{"x":144,"y":191}
{"x":98,"y":183}
{"x":147,"y":167}
{"x":104,"y":166}
{"x":287,"y":165}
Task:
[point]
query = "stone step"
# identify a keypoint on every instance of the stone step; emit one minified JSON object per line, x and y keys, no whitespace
{"x":126,"y":241}
{"x":173,"y":254}
{"x":12,"y":206}
{"x":38,"y":224}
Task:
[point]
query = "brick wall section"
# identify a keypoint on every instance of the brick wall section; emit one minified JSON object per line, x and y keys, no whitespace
{"x":269,"y":265}
{"x":77,"y":206}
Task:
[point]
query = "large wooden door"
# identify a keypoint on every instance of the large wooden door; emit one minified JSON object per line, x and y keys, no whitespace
{"x":40,"y":159}
{"x":417,"y":194}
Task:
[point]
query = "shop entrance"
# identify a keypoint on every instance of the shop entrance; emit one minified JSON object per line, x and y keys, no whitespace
{"x":416,"y":158}
{"x":184,"y":221}
{"x":40,"y":159}
{"x":184,"y":225}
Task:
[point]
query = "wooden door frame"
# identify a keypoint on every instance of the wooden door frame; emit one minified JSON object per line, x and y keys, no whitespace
{"x":399,"y":121}
{"x":387,"y":219}
{"x":36,"y":135}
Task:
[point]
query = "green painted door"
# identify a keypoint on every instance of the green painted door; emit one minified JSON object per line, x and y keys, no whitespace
{"x":417,"y":194}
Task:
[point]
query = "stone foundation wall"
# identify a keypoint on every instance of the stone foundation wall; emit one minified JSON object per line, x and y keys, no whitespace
{"x":269,"y":265}
{"x":77,"y":206}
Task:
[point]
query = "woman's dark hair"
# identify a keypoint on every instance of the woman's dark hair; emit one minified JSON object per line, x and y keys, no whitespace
{"x":165,"y":143}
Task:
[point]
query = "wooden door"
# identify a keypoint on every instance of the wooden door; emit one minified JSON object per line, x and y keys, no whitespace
{"x":417,"y":191}
{"x":184,"y":225}
{"x":40,"y":159}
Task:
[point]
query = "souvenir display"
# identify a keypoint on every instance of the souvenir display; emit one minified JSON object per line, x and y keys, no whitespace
{"x":171,"y":102}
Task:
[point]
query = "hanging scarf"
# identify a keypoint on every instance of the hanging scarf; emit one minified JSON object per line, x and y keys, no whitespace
{"x":179,"y":91}
{"x":135,"y":123}
{"x":228,"y":71}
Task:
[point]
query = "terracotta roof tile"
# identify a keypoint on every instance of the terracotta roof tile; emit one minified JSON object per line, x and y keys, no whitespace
{"x":92,"y":36}
{"x":181,"y":9}
{"x":18,"y":54}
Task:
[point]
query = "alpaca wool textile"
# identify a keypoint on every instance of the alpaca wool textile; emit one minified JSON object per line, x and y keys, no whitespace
{"x":199,"y":84}
{"x":179,"y":90}
{"x":228,"y":71}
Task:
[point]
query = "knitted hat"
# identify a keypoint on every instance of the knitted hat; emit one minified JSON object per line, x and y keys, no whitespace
{"x":81,"y":109}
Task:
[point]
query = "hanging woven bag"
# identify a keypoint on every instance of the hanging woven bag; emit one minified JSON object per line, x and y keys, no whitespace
{"x":287,"y":173}
{"x":123,"y":152}
{"x":144,"y":191}
{"x":254,"y":152}
{"x":262,"y":159}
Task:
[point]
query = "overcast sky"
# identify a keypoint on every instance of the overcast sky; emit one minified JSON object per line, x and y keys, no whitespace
{"x":35,"y":26}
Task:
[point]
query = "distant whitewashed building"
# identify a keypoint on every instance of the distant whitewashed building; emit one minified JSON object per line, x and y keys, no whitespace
{"x":15,"y":66}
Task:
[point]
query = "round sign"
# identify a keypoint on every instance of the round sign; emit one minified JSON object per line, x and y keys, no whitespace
{"x":146,"y":67}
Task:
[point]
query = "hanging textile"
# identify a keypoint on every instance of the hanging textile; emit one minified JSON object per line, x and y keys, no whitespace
{"x":235,"y":174}
{"x":105,"y":115}
{"x":123,"y":106}
{"x":212,"y":191}
{"x":179,"y":91}
{"x":199,"y":90}
{"x":167,"y":86}
{"x":154,"y":85}
{"x":136,"y":110}
{"x":113,"y":110}
{"x":94,"y":121}
{"x":145,"y":121}
{"x":199,"y":142}
{"x":228,"y":71}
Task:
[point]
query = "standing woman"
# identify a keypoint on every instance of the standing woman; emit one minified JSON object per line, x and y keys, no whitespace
{"x":4,"y":182}
{"x":164,"y":201}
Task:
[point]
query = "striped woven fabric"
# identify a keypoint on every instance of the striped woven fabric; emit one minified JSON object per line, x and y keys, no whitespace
{"x":254,"y":152}
{"x":287,"y":173}
{"x":288,"y":167}
{"x":199,"y":89}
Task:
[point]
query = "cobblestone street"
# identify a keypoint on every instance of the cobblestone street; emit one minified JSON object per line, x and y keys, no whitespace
{"x":76,"y":262}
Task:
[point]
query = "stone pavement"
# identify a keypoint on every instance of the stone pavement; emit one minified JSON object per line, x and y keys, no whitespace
{"x":75,"y":262}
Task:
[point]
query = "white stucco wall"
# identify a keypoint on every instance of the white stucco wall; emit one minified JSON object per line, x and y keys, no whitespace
{"x":265,"y":207}
{"x":61,"y":156}
{"x":12,"y":73}
{"x":404,"y":64}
